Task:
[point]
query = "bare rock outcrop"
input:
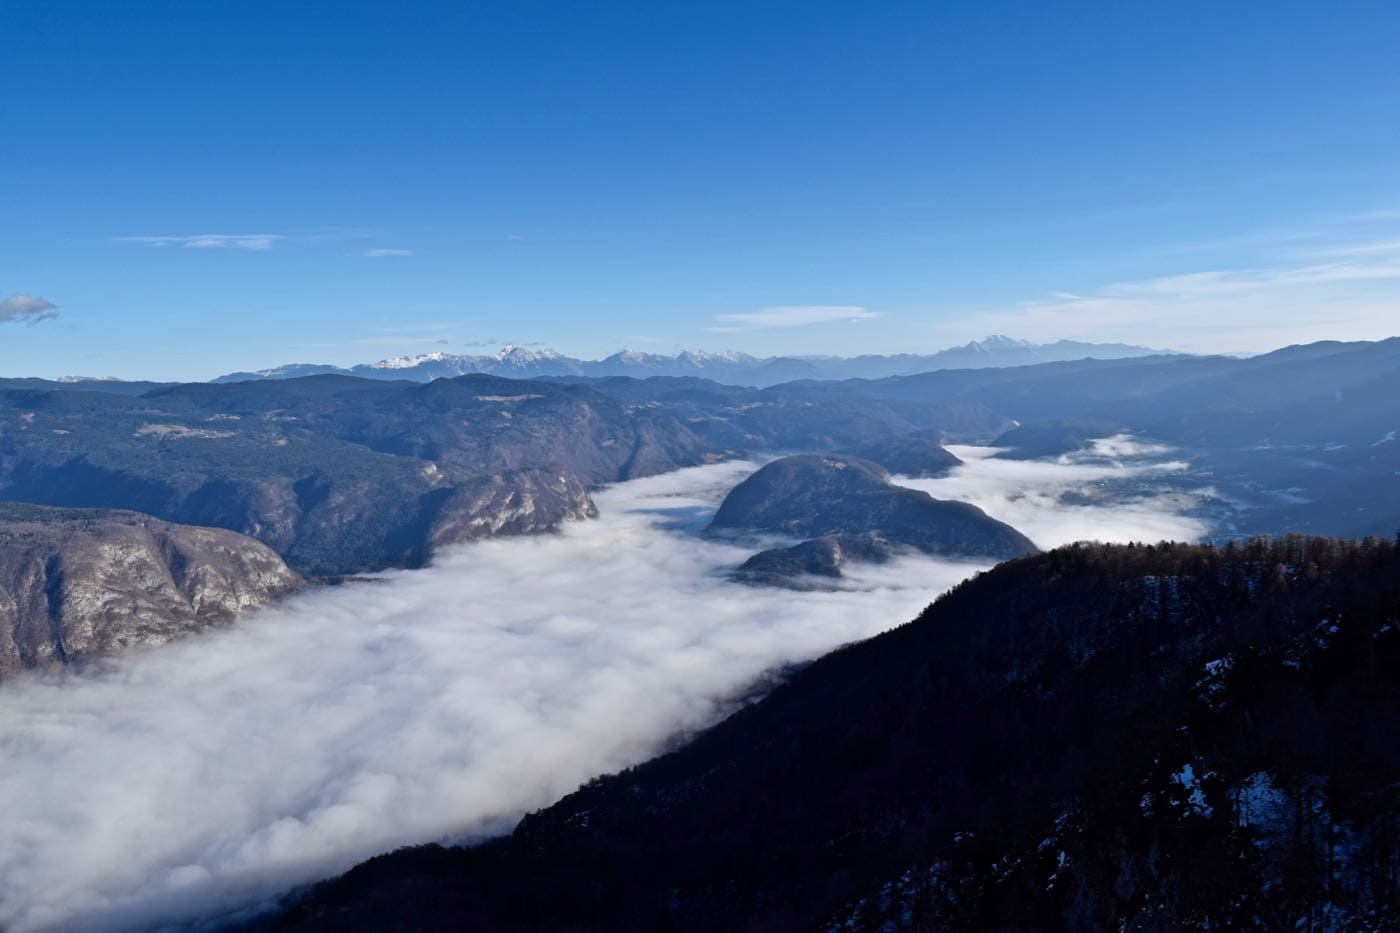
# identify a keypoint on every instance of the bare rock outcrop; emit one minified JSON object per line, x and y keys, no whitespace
{"x":79,"y":584}
{"x":517,"y":502}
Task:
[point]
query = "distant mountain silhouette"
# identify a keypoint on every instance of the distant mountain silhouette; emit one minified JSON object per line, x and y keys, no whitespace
{"x":728,"y":367}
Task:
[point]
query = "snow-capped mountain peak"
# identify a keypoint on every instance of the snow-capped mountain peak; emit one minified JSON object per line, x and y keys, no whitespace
{"x":720,"y":356}
{"x":995,"y":342}
{"x":408,"y":362}
{"x":725,"y":366}
{"x":511,"y":353}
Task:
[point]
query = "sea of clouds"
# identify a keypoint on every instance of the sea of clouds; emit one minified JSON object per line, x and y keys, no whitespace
{"x":211,"y":774}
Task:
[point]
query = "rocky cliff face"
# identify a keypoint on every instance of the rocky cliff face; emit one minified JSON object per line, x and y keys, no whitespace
{"x":78,"y":584}
{"x":520,"y":502}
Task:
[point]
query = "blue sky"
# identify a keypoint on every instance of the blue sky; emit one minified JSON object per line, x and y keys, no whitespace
{"x":192,"y":188}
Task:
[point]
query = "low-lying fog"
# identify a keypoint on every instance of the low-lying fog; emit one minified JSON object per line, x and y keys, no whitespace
{"x":200,"y":777}
{"x":1113,"y":491}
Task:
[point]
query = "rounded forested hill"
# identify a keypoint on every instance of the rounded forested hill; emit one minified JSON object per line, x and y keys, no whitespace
{"x":808,"y":496}
{"x":818,"y":557}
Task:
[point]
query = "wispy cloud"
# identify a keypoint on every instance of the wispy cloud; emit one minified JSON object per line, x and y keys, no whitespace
{"x":381,"y":252}
{"x":408,"y":341}
{"x":1355,"y":294}
{"x":1374,"y":248}
{"x":256,"y":242}
{"x":28,"y":308}
{"x":789,"y":316}
{"x":1377,"y":214}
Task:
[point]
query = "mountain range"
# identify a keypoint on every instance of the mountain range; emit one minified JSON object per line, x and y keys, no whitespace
{"x":1095,"y":737}
{"x":341,"y":475}
{"x":727,"y":367}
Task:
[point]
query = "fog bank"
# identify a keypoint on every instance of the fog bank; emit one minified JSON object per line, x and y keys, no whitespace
{"x":204,"y":775}
{"x":1117,"y":490}
{"x":445,"y":701}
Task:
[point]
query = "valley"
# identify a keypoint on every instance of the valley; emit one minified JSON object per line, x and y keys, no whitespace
{"x":677,"y":467}
{"x":518,"y":585}
{"x":439,"y":703}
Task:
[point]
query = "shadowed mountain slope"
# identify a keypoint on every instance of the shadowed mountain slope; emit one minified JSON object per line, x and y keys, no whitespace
{"x":810,"y":496}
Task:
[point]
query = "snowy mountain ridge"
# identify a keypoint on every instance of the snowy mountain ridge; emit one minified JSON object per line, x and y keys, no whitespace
{"x":725,"y":366}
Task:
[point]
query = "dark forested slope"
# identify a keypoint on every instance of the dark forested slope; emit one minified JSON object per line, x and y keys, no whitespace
{"x":814,"y":495}
{"x":1097,"y":737}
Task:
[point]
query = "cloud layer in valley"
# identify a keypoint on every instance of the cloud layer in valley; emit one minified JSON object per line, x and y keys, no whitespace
{"x":1108,"y":493}
{"x":207,"y":774}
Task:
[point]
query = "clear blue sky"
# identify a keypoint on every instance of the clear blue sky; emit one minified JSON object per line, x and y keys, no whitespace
{"x":202,"y":187}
